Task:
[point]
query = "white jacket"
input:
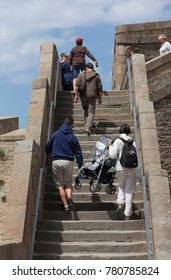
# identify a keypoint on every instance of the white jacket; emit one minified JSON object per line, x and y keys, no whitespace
{"x":165,"y":48}
{"x":116,"y":149}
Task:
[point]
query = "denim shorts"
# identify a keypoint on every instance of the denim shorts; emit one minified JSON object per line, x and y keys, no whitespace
{"x":77,"y":69}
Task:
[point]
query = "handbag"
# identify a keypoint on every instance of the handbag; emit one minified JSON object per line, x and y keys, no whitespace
{"x":82,"y":86}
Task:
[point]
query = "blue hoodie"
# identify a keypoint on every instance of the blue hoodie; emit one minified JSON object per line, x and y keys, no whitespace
{"x":64,"y":145}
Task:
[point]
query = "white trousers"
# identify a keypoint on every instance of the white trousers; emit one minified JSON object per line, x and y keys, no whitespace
{"x":127,"y":185}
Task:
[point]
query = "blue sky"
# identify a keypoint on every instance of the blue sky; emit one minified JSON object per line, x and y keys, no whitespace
{"x":25,"y":25}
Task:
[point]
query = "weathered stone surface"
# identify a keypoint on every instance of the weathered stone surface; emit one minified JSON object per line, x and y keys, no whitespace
{"x":15,"y":135}
{"x":8,"y":124}
{"x":39,"y":84}
{"x":142,"y":36}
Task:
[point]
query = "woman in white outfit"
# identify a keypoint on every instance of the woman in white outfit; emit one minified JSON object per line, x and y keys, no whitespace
{"x":126,"y":176}
{"x":165,"y":45}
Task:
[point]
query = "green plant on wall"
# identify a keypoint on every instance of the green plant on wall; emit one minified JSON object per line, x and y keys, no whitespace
{"x":2,"y":152}
{"x":1,"y":180}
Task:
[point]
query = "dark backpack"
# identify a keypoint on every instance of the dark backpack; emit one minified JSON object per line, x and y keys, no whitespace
{"x":129,"y":157}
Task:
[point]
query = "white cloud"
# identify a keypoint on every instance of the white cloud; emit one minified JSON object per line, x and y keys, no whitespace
{"x":24,"y":25}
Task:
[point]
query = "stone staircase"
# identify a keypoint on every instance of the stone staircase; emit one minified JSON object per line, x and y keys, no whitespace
{"x":95,"y":230}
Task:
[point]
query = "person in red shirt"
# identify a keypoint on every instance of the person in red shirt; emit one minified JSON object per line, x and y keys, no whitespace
{"x":78,"y":62}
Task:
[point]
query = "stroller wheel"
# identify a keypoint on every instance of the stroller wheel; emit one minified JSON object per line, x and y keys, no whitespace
{"x":94,"y":187}
{"x":110,"y":189}
{"x":77,"y":185}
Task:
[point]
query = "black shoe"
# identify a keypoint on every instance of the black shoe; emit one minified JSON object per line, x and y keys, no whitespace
{"x":88,"y":131}
{"x":71,"y":203}
{"x":66,"y":209}
{"x":127,"y":218}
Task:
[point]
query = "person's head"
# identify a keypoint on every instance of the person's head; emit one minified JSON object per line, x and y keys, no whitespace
{"x":125,"y":128}
{"x":69,"y":120}
{"x":162,"y":38}
{"x":62,"y":55}
{"x":128,"y":50}
{"x":66,"y":57}
{"x":89,"y":66}
{"x":79,"y":41}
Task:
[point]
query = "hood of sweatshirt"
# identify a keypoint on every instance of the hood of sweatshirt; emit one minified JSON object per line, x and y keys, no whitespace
{"x":90,"y":75}
{"x":66,"y":129}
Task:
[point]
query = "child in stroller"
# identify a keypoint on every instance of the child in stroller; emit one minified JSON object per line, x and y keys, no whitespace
{"x":97,"y":169}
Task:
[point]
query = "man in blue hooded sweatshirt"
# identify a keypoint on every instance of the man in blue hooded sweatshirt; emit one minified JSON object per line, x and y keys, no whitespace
{"x":64,"y":148}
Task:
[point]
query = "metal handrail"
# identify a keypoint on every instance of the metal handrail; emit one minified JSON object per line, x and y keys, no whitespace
{"x":36,"y":214}
{"x":43,"y":169}
{"x":140,"y":176}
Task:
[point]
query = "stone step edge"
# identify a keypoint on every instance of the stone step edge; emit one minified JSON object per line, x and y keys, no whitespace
{"x":94,"y":254}
{"x":91,"y":231}
{"x":85,"y":243}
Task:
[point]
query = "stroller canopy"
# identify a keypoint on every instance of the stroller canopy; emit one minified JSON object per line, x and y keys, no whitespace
{"x":101,"y":145}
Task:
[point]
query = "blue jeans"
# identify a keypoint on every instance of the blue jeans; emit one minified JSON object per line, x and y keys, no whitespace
{"x":77,"y":69}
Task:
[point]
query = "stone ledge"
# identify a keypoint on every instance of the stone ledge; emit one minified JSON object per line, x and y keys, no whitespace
{"x":141,"y":26}
{"x":8,"y":123}
{"x":15,"y":135}
{"x":158,"y":61}
{"x":40,"y":83}
{"x":161,"y":93}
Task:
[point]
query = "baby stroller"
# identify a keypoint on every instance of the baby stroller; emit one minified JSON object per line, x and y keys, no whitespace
{"x":97,"y":169}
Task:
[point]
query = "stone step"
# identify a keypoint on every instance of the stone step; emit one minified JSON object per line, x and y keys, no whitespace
{"x":107,"y":103}
{"x":89,"y":206}
{"x":99,"y":116}
{"x":51,"y":187}
{"x":105,"y":98}
{"x":90,"y":236}
{"x":91,"y":256}
{"x":99,"y":110}
{"x":99,"y":131}
{"x":90,"y":225}
{"x":89,"y":197}
{"x":105,"y":93}
{"x":103,"y":123}
{"x":93,"y":247}
{"x":89,"y":215}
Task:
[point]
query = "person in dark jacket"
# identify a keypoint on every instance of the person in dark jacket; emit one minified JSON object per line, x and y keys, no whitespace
{"x":77,"y":56}
{"x":67,"y":74}
{"x":92,"y":93}
{"x":64,"y":148}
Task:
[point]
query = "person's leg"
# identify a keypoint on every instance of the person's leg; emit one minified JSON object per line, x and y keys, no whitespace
{"x":84,"y":104}
{"x":121,"y":190}
{"x":58,"y":176}
{"x":91,"y":113}
{"x":63,"y":197}
{"x":68,"y":183}
{"x":76,"y":70}
{"x":130,"y":186}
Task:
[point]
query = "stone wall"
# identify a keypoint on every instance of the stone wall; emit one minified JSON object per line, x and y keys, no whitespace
{"x":143,"y":36}
{"x":8,"y":124}
{"x":18,"y":212}
{"x":156,"y":177}
{"x":6,"y":167}
{"x":163,"y":119}
{"x":159,"y":84}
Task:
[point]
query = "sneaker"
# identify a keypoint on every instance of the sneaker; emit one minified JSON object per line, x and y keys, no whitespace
{"x":120,"y":207}
{"x":127,"y":218}
{"x":71,"y":203}
{"x":66,"y":209}
{"x":88,"y":131}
